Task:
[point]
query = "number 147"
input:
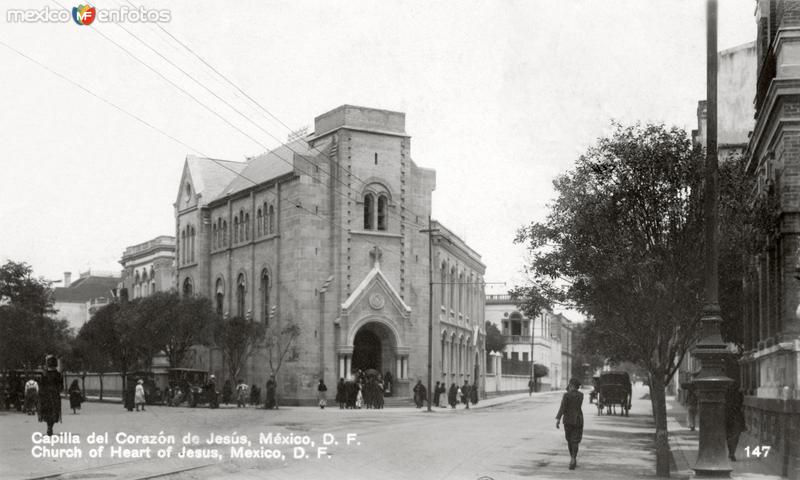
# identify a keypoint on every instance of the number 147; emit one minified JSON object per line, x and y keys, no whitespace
{"x":758,"y":451}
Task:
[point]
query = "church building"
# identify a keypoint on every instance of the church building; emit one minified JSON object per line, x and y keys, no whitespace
{"x":326,"y":233}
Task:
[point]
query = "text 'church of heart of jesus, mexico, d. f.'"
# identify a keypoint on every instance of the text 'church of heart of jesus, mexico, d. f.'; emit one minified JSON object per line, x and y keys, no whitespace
{"x":325,"y":233}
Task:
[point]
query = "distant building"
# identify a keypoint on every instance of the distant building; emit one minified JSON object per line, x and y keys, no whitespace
{"x":565,"y":329}
{"x":149,"y":267}
{"x":516,"y":328}
{"x":736,"y":87}
{"x":77,"y":301}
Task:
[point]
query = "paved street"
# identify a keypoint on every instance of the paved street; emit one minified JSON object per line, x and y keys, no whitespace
{"x":503,"y":439}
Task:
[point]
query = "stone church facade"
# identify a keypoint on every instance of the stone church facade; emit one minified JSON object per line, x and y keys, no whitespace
{"x":325,"y":233}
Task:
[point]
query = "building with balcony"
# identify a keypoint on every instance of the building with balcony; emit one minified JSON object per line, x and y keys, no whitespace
{"x":526,"y":338}
{"x":77,"y":301}
{"x":149,"y":267}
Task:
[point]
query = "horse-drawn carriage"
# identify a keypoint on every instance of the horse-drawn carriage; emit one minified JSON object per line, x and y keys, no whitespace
{"x":613,"y":388}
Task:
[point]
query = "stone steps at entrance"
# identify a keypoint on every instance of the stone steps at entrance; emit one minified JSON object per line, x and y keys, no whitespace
{"x":389,"y":402}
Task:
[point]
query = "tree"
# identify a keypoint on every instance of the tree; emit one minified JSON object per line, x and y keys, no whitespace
{"x":623,"y":243}
{"x":495,"y":342}
{"x":111,"y":339}
{"x":27,"y":330}
{"x":237,"y":338}
{"x":280,"y":342}
{"x":173,"y":324}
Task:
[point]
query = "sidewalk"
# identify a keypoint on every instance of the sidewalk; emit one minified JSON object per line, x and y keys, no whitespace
{"x":684,"y":445}
{"x":483,"y":403}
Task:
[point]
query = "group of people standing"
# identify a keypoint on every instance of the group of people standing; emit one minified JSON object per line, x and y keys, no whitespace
{"x":365,"y":391}
{"x":244,"y":394}
{"x":465,"y":394}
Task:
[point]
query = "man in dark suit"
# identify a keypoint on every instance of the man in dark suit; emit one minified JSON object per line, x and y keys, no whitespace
{"x":570,"y":410}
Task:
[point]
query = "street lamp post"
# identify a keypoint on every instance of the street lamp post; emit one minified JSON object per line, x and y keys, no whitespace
{"x":711,"y":383}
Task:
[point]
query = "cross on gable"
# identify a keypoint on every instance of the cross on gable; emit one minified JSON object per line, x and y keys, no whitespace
{"x":375,"y":254}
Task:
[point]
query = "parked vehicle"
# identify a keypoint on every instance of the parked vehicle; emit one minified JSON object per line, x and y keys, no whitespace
{"x":191,"y":385}
{"x":614,"y":388}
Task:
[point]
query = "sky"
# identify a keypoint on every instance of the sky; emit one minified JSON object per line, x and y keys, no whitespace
{"x":500,"y":97}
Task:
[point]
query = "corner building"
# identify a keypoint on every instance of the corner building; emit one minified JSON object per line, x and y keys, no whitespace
{"x":770,"y":367}
{"x":325,"y":232}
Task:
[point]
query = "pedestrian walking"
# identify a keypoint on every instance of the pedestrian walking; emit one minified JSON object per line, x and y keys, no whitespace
{"x":452,"y":395}
{"x":419,"y":393}
{"x":734,"y":418}
{"x":75,"y":396}
{"x":473,"y":393}
{"x":531,"y":385}
{"x":227,"y":391}
{"x":465,"y":394}
{"x":50,"y":394}
{"x":436,"y":394}
{"x":322,"y":394}
{"x":691,"y":407}
{"x":138,"y":396}
{"x":241,"y":394}
{"x":271,"y":400}
{"x":359,"y":396}
{"x":341,"y":397}
{"x":31,"y":396}
{"x":255,"y":395}
{"x":571,"y":411}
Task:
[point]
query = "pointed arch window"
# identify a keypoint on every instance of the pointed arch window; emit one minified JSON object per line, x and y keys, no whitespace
{"x":240,"y":295}
{"x":224,"y":233}
{"x":265,"y":287}
{"x":369,"y":211}
{"x":259,"y":223}
{"x":235,"y":230}
{"x":214,"y":236}
{"x":247,"y":226}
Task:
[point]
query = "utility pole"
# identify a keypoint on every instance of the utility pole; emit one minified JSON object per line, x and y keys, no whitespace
{"x":711,"y":382}
{"x":533,"y":329}
{"x":430,"y":231}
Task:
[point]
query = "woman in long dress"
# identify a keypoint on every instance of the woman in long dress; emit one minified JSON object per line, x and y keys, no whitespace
{"x":75,"y":396}
{"x":573,"y":419}
{"x":138,"y":396}
{"x":322,"y":394}
{"x":50,"y":394}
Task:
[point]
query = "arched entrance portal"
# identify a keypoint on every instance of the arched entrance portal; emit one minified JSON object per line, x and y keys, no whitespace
{"x":374,"y":348}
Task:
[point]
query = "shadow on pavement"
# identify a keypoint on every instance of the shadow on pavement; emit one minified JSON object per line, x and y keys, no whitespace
{"x":613,"y":447}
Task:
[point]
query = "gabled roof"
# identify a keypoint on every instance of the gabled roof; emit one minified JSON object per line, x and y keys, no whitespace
{"x":211,"y":176}
{"x":376,"y":276}
{"x":214,"y":179}
{"x":85,"y":289}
